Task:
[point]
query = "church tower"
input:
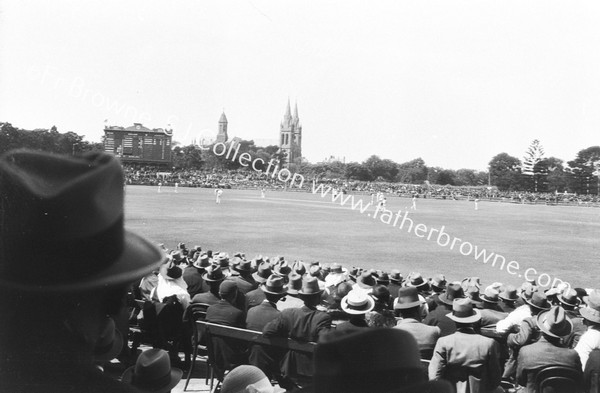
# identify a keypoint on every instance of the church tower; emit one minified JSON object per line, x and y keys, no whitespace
{"x":222,"y":135}
{"x":290,"y":136}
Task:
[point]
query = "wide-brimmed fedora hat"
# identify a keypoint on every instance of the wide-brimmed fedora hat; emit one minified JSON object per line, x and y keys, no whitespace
{"x":538,"y":300}
{"x":463,"y":312}
{"x":439,"y":282}
{"x":109,"y":343}
{"x":71,"y":209}
{"x":509,"y":293}
{"x":263,"y":272}
{"x":417,"y":280}
{"x":202,"y":262}
{"x":491,"y":295}
{"x":282,"y":268}
{"x":222,"y":259}
{"x":408,"y":297}
{"x":569,"y":298}
{"x":357,"y":302}
{"x":295,"y":284}
{"x":310,"y":287}
{"x":453,"y":291}
{"x":244,"y":266}
{"x":367,"y":360}
{"x":153,"y":372}
{"x":299,"y":268}
{"x":336,"y":268}
{"x":275,"y":285}
{"x":366,"y":280}
{"x":396,"y":276}
{"x":591,"y":311}
{"x":383,"y":279}
{"x":213,"y":274}
{"x":554,"y":322}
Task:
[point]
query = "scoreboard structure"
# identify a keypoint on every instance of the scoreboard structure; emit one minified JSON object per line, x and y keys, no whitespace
{"x":139,"y":144}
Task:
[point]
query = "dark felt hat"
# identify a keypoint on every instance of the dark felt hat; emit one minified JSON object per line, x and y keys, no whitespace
{"x":463,"y":312}
{"x":453,"y":291}
{"x":71,"y":208}
{"x":555,"y":322}
{"x":153,"y":372}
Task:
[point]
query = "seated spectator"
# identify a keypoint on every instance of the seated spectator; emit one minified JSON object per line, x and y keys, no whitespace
{"x":244,"y":281}
{"x":248,"y":379}
{"x":466,"y":359}
{"x":569,"y":301}
{"x":192,"y":275}
{"x":170,"y":282}
{"x":147,"y":285}
{"x":356,"y":304}
{"x":408,"y":307}
{"x":292,"y":300}
{"x":256,"y":296}
{"x":371,"y":360}
{"x":438,"y":285}
{"x":153,"y":372}
{"x":490,"y":312}
{"x":395,"y":283}
{"x":590,"y":340}
{"x":214,"y":277}
{"x":547,"y":351}
{"x":64,"y":216}
{"x":304,"y":324}
{"x":508,"y":297}
{"x":334,"y":306}
{"x":439,"y":316}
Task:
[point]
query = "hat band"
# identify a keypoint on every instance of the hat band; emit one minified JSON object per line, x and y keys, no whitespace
{"x":271,"y":288}
{"x":80,"y":257}
{"x":358,"y":307}
{"x":153,"y":383}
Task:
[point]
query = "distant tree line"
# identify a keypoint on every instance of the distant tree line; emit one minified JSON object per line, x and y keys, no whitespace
{"x":533,"y":173}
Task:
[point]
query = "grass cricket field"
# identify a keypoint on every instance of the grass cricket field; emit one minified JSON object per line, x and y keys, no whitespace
{"x":559,"y":241}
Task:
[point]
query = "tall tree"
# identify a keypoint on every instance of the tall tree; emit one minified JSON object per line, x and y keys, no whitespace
{"x":505,"y":172}
{"x":533,"y":166}
{"x":584,"y":171}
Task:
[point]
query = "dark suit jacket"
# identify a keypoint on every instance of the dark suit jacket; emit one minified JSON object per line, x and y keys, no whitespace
{"x":206,"y":298}
{"x":468,"y":360}
{"x":244,"y":284}
{"x":224,"y":313}
{"x":303,"y":324}
{"x":226,"y":353}
{"x":534,"y":357}
{"x":426,"y":336}
{"x":438,"y":318}
{"x":254,"y":298}
{"x":193,"y":278}
{"x":260,"y":315}
{"x":490,"y":317}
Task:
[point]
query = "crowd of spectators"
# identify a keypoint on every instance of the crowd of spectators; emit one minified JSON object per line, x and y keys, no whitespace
{"x":479,"y":338}
{"x":248,"y":179}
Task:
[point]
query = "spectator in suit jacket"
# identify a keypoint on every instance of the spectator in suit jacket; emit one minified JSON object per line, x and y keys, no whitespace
{"x":192,"y":275}
{"x":569,"y":301}
{"x":256,"y":296}
{"x":265,"y":358}
{"x":466,"y":359}
{"x":64,"y":216}
{"x":491,"y":313}
{"x":214,"y":277}
{"x":305,"y":324}
{"x":548,"y":350}
{"x":245,"y":281}
{"x":590,"y":340}
{"x":439,"y":316}
{"x":508,"y":297}
{"x":395,"y":283}
{"x":355,"y":304}
{"x":408,"y":307}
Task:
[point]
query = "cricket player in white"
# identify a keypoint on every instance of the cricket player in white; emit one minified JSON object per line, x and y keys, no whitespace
{"x":218,"y":193}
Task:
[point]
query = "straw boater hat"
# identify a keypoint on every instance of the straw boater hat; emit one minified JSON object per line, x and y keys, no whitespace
{"x":591,"y":311}
{"x":153,"y":372}
{"x":274,"y":285}
{"x":357,"y":303}
{"x":408,"y":297}
{"x":71,"y":208}
{"x":554,"y":322}
{"x":463,"y":312}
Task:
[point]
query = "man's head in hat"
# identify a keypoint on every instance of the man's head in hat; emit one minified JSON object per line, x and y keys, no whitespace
{"x":463,"y":313}
{"x":311,"y":291}
{"x":274,"y":288}
{"x":554,"y":324}
{"x":408,"y":304}
{"x":72,"y":209}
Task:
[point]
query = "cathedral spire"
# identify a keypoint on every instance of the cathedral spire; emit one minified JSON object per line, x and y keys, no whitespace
{"x":296,"y":111}
{"x":288,"y":111}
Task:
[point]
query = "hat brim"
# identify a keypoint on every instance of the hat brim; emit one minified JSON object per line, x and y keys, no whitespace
{"x":472,"y":319}
{"x":590,"y":314}
{"x":528,"y":301}
{"x":370,"y":306}
{"x":258,"y":278}
{"x":545,"y":330}
{"x":404,"y":306}
{"x":560,"y":299}
{"x":312,"y":294}
{"x":485,"y":299}
{"x":513,"y":299}
{"x":139,"y":258}
{"x":265,"y":290}
{"x":176,"y":375}
{"x":114,"y":351}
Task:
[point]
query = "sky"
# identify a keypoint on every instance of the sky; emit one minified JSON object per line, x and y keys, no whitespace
{"x":452,"y":82}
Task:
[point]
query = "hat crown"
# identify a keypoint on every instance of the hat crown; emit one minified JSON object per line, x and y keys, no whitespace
{"x":238,"y":379}
{"x":310,"y":286}
{"x":539,"y":300}
{"x":555,"y":322}
{"x":296,"y":281}
{"x":275,"y":284}
{"x":462,"y":308}
{"x":408,"y":295}
{"x":152,"y":369}
{"x":491,"y":294}
{"x":214,"y":273}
